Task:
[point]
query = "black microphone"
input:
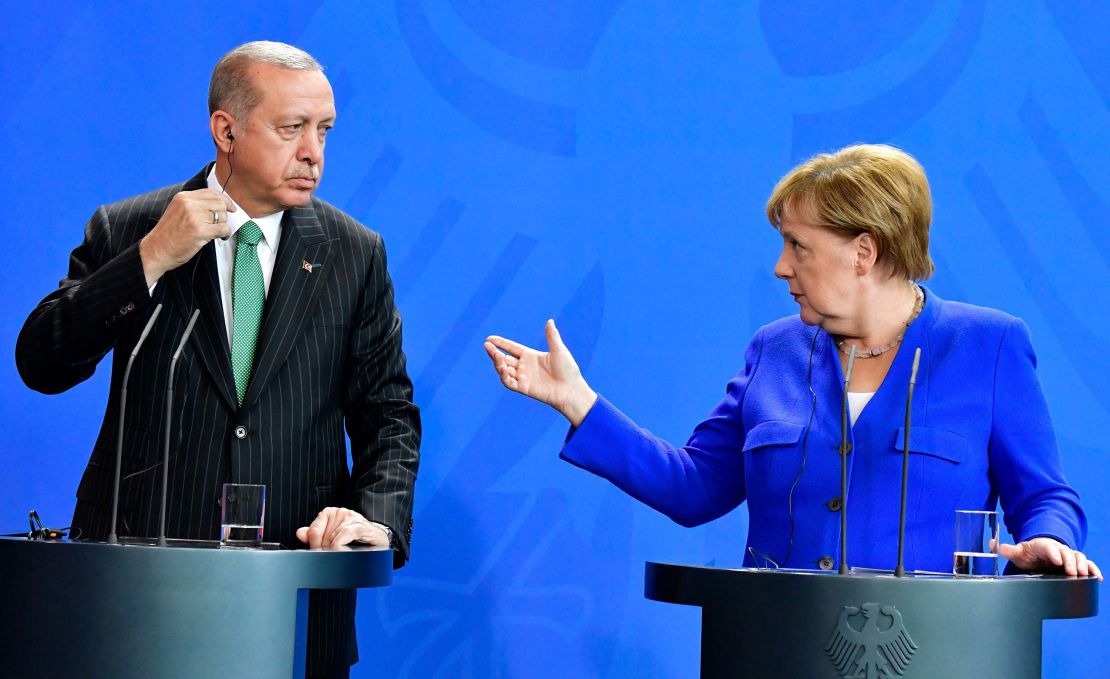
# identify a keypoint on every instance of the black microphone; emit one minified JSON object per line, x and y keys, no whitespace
{"x":844,"y":465}
{"x":168,"y":422}
{"x":900,"y":569}
{"x":112,"y":537}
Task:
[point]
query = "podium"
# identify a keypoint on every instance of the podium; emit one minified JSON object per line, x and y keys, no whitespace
{"x":788,"y":623}
{"x":90,"y":609}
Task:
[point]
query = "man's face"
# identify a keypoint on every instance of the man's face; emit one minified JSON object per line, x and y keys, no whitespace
{"x":281,"y":140}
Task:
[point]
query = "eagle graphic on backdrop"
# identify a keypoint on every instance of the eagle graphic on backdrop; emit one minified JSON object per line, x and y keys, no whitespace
{"x":871,"y":651}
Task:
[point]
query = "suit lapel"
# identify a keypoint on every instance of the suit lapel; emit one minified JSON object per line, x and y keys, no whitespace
{"x":294,"y":289}
{"x":196,"y":285}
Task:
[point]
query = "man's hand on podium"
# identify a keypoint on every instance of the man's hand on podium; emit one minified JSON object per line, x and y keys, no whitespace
{"x":1045,"y":555}
{"x":336,"y":527}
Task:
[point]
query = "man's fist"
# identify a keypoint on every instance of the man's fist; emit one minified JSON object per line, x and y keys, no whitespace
{"x":192,"y":219}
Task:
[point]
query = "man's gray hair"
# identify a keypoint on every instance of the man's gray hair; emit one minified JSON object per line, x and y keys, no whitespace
{"x":231,"y":88}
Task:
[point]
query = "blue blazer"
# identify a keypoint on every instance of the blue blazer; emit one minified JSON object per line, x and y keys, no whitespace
{"x":981,"y":433}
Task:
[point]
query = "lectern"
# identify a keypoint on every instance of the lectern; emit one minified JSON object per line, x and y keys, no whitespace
{"x":785,"y":623}
{"x":89,"y":609}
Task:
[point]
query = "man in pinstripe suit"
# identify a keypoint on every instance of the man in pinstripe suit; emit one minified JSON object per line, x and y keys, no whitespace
{"x":326,"y":353}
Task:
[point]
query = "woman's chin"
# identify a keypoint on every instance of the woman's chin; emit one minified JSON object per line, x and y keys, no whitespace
{"x":808,"y":316}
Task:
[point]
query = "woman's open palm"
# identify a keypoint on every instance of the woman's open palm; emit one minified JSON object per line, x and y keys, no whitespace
{"x":551,"y":376}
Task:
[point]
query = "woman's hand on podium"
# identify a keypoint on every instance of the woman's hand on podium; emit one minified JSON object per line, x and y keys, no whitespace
{"x":1043,"y":555}
{"x":551,"y":376}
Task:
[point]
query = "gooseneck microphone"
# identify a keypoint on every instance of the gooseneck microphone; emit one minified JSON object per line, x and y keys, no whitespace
{"x":900,"y":569}
{"x":168,"y":423}
{"x":843,"y":570}
{"x":112,"y":537}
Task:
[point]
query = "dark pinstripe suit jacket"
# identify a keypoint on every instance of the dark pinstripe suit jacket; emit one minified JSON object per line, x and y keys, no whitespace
{"x":329,"y":354}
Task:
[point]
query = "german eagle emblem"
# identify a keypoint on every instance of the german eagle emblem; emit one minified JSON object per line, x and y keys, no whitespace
{"x":876,"y":648}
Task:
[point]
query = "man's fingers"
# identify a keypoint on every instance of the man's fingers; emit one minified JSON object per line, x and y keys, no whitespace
{"x":317,"y":527}
{"x":339,"y":520}
{"x":302,"y":534}
{"x":346,"y":534}
{"x":219,"y":199}
{"x":229,"y":205}
{"x":1008,"y":552}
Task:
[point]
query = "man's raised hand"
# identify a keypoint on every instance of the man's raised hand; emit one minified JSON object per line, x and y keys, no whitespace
{"x":192,"y":219}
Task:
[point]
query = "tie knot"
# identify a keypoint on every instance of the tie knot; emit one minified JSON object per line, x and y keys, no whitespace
{"x":250,"y":234}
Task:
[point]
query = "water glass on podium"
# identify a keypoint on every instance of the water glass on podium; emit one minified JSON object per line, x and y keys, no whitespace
{"x":243,"y":508}
{"x":976,"y":552}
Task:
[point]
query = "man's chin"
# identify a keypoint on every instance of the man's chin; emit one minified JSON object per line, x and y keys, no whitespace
{"x":298,"y":198}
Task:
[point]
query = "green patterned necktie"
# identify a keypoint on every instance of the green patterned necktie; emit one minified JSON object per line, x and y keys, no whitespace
{"x":248,"y":294}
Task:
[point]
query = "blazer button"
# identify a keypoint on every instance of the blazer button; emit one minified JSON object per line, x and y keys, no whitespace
{"x":826,"y":563}
{"x":240,"y":432}
{"x":834,"y":504}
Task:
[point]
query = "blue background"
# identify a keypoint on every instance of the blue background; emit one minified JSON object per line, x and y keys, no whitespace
{"x":604,"y":162}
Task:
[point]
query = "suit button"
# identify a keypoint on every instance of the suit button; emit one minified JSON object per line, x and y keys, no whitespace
{"x":240,"y":432}
{"x":834,"y":504}
{"x":826,"y":563}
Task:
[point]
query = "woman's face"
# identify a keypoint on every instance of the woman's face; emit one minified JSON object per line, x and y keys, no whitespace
{"x":820,"y":266}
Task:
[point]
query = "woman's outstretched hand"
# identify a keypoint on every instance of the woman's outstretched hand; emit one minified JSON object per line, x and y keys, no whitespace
{"x":551,"y":376}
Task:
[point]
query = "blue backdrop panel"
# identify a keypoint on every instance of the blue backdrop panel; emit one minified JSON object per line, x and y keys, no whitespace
{"x":604,"y":162}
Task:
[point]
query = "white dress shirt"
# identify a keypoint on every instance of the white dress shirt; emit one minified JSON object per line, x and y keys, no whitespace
{"x":225,"y":249}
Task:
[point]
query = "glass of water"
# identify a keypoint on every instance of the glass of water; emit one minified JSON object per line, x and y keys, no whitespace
{"x":976,"y":552}
{"x":243,"y":509}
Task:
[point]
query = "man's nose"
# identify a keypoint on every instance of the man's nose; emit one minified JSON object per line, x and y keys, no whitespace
{"x":312,"y":149}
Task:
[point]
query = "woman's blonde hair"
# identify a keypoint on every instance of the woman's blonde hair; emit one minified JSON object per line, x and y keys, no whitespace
{"x":872,"y":188}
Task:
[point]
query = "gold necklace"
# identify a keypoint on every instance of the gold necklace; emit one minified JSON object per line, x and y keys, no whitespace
{"x":918,"y":305}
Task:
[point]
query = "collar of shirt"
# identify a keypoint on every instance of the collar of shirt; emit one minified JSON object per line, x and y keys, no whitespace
{"x":270,"y":224}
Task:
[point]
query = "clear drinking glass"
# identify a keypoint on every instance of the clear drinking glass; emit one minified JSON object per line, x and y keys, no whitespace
{"x":976,"y":552}
{"x":243,"y":508}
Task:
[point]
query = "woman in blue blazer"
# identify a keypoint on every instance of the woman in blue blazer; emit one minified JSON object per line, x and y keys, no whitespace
{"x":855,"y":229}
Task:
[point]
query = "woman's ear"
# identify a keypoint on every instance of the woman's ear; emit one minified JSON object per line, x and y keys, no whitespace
{"x":867,"y":253}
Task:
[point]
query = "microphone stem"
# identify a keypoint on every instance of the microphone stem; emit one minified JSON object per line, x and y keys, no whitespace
{"x":843,"y":570}
{"x":166,"y":464}
{"x":169,"y":420}
{"x":112,"y":537}
{"x":900,"y":569}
